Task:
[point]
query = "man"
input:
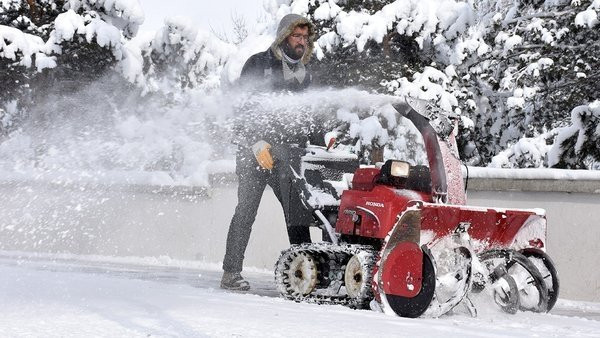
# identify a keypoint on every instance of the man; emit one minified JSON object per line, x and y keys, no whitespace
{"x":282,"y":67}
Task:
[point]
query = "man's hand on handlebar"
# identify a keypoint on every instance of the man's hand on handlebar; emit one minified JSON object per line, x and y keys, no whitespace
{"x":262,"y":152}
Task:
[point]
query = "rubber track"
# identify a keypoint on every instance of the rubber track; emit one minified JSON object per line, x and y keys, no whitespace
{"x":336,"y":256}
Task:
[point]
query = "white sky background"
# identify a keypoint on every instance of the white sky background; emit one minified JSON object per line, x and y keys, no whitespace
{"x":203,"y":13}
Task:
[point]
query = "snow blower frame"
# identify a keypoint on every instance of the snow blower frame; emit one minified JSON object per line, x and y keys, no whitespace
{"x":402,"y":239}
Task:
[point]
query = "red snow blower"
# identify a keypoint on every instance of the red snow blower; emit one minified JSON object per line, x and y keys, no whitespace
{"x":401,"y":238}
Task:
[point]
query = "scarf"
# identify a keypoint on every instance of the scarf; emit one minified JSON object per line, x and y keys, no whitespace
{"x":289,"y":74}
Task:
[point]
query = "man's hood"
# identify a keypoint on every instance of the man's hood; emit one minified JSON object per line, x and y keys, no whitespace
{"x":286,"y":27}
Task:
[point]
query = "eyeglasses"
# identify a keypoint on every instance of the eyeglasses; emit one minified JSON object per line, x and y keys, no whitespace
{"x":300,"y":37}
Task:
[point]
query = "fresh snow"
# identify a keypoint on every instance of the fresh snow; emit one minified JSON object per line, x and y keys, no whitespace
{"x":67,"y":295}
{"x":14,"y":42}
{"x":587,"y":18}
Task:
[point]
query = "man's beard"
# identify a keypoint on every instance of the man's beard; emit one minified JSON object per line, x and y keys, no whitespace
{"x":295,"y":53}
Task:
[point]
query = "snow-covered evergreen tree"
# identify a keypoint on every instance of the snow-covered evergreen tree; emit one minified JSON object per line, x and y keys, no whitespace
{"x":180,"y":56}
{"x":57,"y":46}
{"x":20,"y":48}
{"x":523,"y":68}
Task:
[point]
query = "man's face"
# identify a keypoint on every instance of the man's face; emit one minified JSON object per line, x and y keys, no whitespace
{"x":297,"y":41}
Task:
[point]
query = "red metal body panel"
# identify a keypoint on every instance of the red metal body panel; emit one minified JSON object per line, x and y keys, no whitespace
{"x":495,"y":228}
{"x":364,"y":179}
{"x":373,"y":213}
{"x":403,"y":270}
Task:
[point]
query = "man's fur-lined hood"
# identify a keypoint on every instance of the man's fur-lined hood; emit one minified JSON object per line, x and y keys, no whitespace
{"x":286,"y":27}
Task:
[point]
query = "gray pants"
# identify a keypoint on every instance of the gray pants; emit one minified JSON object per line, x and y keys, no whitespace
{"x":251,"y":185}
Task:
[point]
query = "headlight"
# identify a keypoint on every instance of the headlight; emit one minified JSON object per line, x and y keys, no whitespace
{"x":399,"y":169}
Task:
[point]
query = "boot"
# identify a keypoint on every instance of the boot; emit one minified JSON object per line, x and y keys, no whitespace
{"x":234,"y":281}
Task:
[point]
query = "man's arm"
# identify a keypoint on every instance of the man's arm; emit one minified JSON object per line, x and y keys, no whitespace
{"x":246,"y":133}
{"x":252,"y":69}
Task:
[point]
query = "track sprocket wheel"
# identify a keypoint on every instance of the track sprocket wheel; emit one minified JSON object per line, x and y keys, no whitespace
{"x":358,"y":277}
{"x":301,"y":274}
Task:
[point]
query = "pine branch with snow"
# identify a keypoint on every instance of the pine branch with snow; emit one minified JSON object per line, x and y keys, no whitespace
{"x":577,"y":146}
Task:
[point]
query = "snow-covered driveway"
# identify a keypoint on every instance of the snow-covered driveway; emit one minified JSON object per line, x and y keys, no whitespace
{"x":50,"y":296}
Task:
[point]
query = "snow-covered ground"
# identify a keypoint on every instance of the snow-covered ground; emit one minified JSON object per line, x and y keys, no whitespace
{"x":68,"y":295}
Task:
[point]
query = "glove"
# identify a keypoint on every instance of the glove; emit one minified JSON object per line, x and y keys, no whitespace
{"x":262,"y":152}
{"x":330,"y":139}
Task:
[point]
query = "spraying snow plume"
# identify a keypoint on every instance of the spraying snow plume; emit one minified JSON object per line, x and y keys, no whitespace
{"x":103,"y":128}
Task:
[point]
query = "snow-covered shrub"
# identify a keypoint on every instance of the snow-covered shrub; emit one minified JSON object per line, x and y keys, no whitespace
{"x":578,"y":146}
{"x":87,"y":94}
{"x":57,"y":46}
{"x":84,"y":45}
{"x":180,"y":56}
{"x":526,"y":153}
{"x":17,"y":55}
{"x":32,"y":17}
{"x":20,"y":53}
{"x":124,"y":15}
{"x":376,"y":44}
